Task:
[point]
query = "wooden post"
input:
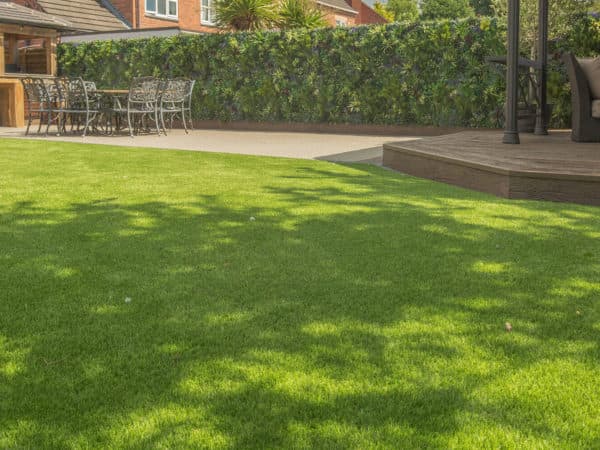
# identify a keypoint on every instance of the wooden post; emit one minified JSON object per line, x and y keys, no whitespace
{"x":50,"y":45}
{"x":2,"y":59}
{"x":511,"y":131}
{"x":12,"y":101}
{"x":541,"y":121}
{"x":13,"y":50}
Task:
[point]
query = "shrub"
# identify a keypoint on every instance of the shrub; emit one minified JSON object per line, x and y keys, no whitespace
{"x":245,"y":15}
{"x":300,"y":14}
{"x":445,"y":9}
{"x":432,"y":73}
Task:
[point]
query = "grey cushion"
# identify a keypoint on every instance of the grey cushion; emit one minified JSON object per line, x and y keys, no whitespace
{"x":591,"y":68}
{"x":596,"y":109}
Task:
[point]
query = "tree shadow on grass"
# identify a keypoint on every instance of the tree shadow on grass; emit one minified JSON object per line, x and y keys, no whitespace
{"x":371,"y":310}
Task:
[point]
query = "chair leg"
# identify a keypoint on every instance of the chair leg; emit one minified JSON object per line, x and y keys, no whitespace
{"x":87,"y":121}
{"x":156,"y":121}
{"x":41,"y":121}
{"x":49,"y":122}
{"x":162,"y":121}
{"x":93,"y":120}
{"x":183,"y":120}
{"x":61,"y":123}
{"x":29,"y":119}
{"x":129,"y":123}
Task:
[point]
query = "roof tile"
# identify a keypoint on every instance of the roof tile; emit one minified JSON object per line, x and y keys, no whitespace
{"x":17,"y":14}
{"x":85,"y":15}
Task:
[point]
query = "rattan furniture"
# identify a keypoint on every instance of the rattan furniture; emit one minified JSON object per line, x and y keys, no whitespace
{"x":586,"y":106}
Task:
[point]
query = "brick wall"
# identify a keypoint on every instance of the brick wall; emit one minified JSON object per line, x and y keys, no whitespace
{"x":368,"y":15}
{"x":127,"y":8}
{"x":355,"y":5}
{"x":333,"y":16}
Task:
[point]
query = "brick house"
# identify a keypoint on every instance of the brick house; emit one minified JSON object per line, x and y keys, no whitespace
{"x":366,"y":14}
{"x":349,"y":13}
{"x":189,"y":15}
{"x":198,"y":16}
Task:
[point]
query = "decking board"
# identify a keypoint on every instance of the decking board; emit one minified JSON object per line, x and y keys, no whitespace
{"x":541,"y":167}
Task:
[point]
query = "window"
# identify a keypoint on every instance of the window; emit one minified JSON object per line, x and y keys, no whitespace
{"x":164,"y":8}
{"x":207,"y":12}
{"x":341,"y":21}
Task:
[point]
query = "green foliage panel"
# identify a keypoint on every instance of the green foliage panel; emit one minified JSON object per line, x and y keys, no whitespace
{"x":430,"y":73}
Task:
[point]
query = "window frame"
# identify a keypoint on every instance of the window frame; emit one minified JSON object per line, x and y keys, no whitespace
{"x":210,"y":9}
{"x":340,"y":21}
{"x":167,"y":4}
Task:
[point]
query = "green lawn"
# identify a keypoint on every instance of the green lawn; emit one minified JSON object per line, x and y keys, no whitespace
{"x":140,"y":306}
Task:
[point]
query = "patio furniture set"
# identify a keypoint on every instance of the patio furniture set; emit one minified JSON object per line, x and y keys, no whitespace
{"x":146,"y":105}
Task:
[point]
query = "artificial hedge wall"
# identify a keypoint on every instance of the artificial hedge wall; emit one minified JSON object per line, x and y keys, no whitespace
{"x":430,"y":73}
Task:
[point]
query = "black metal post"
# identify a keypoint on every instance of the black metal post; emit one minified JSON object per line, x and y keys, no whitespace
{"x":511,"y":131}
{"x":541,"y":121}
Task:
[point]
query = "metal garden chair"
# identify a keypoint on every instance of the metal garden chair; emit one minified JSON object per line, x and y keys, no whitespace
{"x":74,"y":103}
{"x":143,"y":100}
{"x":39,"y":102}
{"x":172,"y":101}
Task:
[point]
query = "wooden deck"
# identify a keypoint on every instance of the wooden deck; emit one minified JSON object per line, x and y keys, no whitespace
{"x":541,"y":167}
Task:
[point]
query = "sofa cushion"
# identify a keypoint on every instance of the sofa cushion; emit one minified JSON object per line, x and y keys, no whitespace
{"x":596,"y":109}
{"x":591,"y":68}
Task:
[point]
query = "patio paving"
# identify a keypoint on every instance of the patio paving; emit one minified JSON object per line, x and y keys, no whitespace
{"x":322,"y":146}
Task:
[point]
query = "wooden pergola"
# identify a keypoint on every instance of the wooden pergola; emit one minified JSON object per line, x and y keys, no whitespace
{"x":514,"y":62}
{"x":21,"y":30}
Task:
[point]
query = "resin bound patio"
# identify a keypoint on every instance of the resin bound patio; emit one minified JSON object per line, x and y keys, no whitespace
{"x":325,"y":146}
{"x":542,"y":167}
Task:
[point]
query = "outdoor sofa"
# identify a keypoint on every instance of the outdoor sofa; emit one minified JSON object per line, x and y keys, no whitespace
{"x":584,"y":75}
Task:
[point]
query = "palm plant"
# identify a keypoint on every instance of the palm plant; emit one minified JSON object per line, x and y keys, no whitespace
{"x":299,"y":14}
{"x":245,"y":15}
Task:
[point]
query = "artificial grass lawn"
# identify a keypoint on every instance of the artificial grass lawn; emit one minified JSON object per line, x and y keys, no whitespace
{"x":141,"y":307}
